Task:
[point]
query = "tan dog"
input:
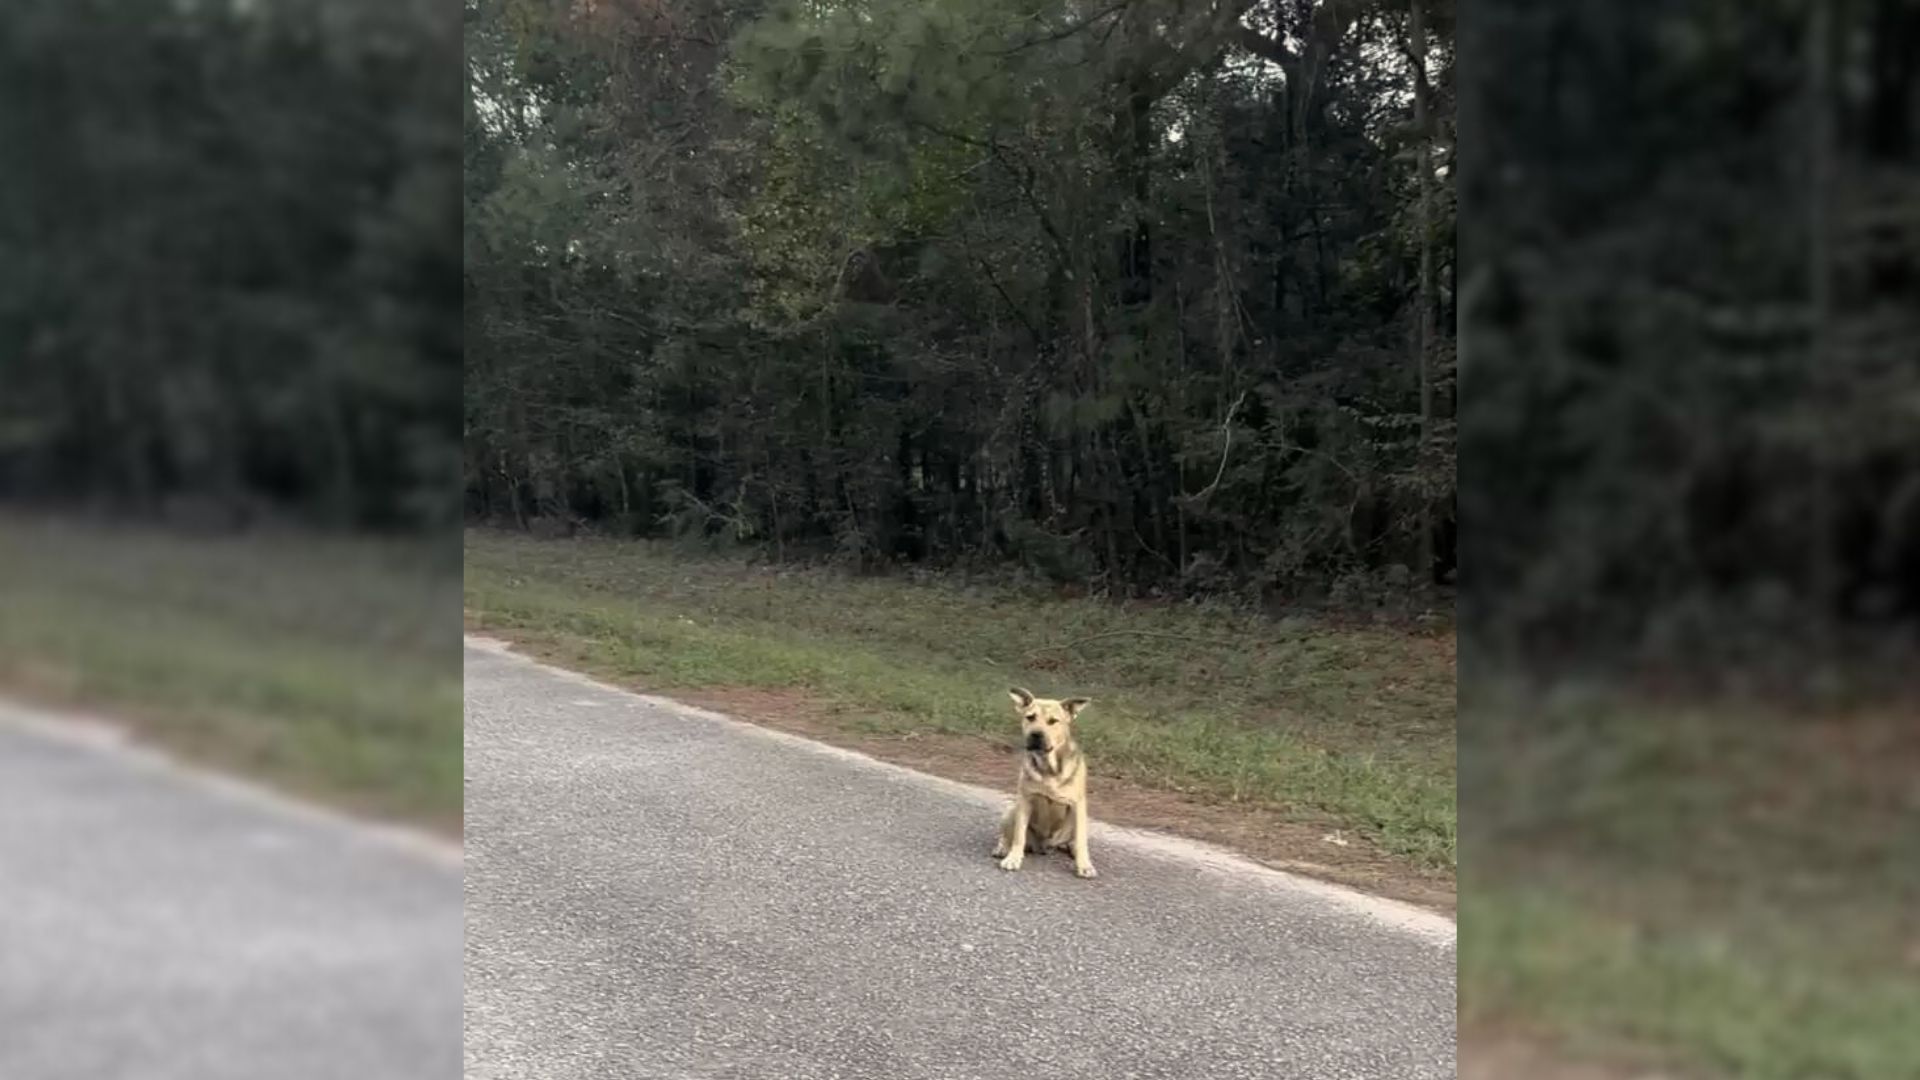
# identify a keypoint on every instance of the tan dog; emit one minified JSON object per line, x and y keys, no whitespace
{"x":1050,"y":801}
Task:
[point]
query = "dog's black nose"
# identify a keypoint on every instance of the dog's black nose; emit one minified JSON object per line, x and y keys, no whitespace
{"x":1036,"y":741}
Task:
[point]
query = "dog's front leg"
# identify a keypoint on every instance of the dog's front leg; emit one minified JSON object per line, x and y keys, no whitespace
{"x":1004,"y":841}
{"x":1013,"y":836}
{"x":1082,"y":862}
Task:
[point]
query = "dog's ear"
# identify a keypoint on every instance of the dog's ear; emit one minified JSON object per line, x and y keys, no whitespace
{"x":1021,"y":697}
{"x":1073,"y":705}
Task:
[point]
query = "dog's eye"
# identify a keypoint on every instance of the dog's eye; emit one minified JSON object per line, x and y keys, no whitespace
{"x":1031,"y":717}
{"x":1053,"y":719}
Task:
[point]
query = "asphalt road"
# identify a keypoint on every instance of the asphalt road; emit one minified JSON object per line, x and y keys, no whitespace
{"x":161,"y":923}
{"x":653,"y":891}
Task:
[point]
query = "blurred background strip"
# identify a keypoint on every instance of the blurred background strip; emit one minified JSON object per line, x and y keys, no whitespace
{"x":229,"y":457}
{"x":1689,"y":730}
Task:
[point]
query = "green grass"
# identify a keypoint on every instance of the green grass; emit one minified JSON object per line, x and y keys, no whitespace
{"x":329,"y":665}
{"x":1347,"y":723}
{"x":1728,"y":889}
{"x":1728,"y":1001}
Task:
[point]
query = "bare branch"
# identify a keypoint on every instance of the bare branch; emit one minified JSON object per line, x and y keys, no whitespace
{"x":1067,"y":31}
{"x":1226,"y":450}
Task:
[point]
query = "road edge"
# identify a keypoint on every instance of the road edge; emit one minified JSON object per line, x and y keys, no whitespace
{"x":99,"y":733}
{"x":1405,"y":918}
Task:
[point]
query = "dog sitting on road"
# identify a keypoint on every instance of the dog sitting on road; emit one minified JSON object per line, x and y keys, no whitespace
{"x":1050,"y":800}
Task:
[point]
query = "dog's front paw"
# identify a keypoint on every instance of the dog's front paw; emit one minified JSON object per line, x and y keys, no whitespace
{"x":1012,"y":861}
{"x":1000,"y":850}
{"x":1086,"y":870}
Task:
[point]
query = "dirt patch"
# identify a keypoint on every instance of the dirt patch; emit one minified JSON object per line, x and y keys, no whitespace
{"x":1267,"y":835}
{"x":1497,"y":1054}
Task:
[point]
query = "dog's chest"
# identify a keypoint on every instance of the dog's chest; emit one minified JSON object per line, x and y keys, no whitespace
{"x":1062,"y":784}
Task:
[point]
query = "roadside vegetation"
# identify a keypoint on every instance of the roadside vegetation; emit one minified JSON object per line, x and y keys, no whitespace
{"x":1346,"y":724}
{"x":1728,"y":889}
{"x":328,"y":665}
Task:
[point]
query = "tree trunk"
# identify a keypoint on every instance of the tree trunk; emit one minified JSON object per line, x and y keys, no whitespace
{"x":1820,"y":301}
{"x":1423,"y":336}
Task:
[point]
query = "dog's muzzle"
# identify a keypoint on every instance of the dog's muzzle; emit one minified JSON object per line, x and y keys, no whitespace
{"x":1037,"y":743}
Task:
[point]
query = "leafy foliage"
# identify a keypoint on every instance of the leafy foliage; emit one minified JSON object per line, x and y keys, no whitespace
{"x":1124,"y":293}
{"x":1690,"y":428}
{"x":228,"y":240}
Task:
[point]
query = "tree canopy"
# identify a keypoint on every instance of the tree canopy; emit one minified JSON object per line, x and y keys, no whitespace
{"x":229,"y":256}
{"x":1128,"y":293}
{"x":1691,"y":422}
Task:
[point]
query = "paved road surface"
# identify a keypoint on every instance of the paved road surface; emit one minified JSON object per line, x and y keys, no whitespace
{"x":656,"y":892}
{"x":157,"y":923}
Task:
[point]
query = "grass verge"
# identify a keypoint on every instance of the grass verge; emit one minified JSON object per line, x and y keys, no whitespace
{"x":1341,"y":728}
{"x":328,"y":666}
{"x":1720,"y":890}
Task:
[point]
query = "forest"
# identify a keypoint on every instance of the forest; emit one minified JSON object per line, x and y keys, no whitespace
{"x":1142,"y":297}
{"x":230,"y":261}
{"x":1691,"y":432}
{"x":1137,"y":296}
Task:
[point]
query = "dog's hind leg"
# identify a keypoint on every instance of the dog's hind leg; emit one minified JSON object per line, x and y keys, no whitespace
{"x":1060,"y":839}
{"x":1052,"y":829}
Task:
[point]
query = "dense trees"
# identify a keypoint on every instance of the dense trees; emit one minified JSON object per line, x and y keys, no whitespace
{"x":1689,"y":418}
{"x":229,"y":255}
{"x":1130,"y":292}
{"x":1148,"y":293}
